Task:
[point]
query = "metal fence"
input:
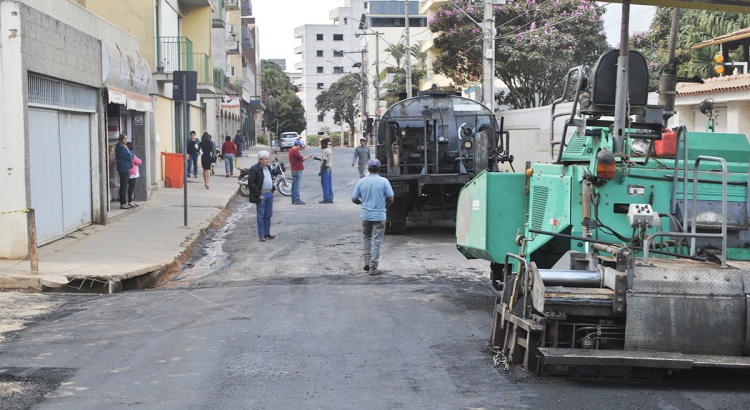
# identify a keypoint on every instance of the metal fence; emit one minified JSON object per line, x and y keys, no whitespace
{"x":174,"y":54}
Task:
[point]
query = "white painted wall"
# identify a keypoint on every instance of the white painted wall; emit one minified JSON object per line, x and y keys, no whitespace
{"x":15,"y":194}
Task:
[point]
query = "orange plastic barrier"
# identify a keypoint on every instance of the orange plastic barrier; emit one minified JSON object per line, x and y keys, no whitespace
{"x":174,"y":170}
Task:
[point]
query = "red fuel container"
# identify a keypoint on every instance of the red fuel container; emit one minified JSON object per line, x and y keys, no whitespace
{"x":667,"y":147}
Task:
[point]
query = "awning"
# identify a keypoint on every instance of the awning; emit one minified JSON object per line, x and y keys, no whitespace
{"x":726,"y":38}
{"x":127,"y":77}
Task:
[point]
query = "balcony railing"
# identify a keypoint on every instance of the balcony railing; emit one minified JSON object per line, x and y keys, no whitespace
{"x":174,"y":54}
{"x":232,"y":4}
{"x":201,"y":64}
{"x":219,"y":79}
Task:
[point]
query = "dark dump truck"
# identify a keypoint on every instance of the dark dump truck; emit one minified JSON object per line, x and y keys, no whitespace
{"x":430,"y":146}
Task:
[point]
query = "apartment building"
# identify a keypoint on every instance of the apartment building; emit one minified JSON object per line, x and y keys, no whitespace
{"x":328,"y":51}
{"x":76,"y":73}
{"x":429,"y":8}
{"x":359,"y":36}
{"x":236,"y":58}
{"x":57,"y":61}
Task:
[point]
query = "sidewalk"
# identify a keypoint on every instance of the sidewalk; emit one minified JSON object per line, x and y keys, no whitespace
{"x":135,"y":242}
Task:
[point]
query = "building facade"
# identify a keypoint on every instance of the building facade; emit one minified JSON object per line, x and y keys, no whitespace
{"x":60,"y":68}
{"x":356,"y":42}
{"x":74,"y":74}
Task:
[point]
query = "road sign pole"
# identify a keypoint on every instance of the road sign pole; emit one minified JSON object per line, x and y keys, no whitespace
{"x":185,"y":137}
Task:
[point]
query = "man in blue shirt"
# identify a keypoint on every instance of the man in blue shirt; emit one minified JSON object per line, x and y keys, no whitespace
{"x":375,"y":195}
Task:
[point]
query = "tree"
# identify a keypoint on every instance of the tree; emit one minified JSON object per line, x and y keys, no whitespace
{"x":397,"y":86}
{"x":342,"y":99}
{"x":536,"y":43}
{"x":283,"y":108}
{"x":695,"y":26}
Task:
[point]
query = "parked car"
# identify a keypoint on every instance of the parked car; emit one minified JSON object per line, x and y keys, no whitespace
{"x":287,"y":140}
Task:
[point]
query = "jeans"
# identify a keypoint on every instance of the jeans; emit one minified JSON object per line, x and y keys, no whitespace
{"x":296,"y":181}
{"x":229,"y":163}
{"x":124,"y":182}
{"x":239,"y":149}
{"x":265,"y":212}
{"x":373,"y":236}
{"x":192,"y":161}
{"x":362,"y":170}
{"x":327,"y":183}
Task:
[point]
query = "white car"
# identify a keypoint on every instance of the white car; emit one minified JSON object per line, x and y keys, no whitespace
{"x":287,"y":140}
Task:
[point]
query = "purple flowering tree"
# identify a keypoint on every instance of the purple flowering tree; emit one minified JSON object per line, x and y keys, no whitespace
{"x":536,"y":43}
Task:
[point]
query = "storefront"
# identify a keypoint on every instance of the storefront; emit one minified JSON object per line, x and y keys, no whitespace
{"x":128,"y":82}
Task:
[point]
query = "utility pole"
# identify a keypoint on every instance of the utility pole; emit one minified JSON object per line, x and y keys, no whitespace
{"x":488,"y":62}
{"x":377,"y":76}
{"x":408,"y":50}
{"x":364,"y":91}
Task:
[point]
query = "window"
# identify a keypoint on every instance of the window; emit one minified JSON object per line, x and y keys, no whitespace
{"x":338,"y":70}
{"x":320,"y":53}
{"x":365,"y":5}
{"x":319,"y":37}
{"x":231,"y":28}
{"x":338,"y":53}
{"x":338,"y":37}
{"x":320,"y":70}
{"x":321,"y":118}
{"x":320,"y":86}
{"x":231,"y":71}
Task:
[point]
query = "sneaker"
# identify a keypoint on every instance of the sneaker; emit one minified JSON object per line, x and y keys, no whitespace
{"x":374,"y":271}
{"x":298,"y":203}
{"x":270,"y":236}
{"x":262,"y":239}
{"x":367,"y":267}
{"x":325,"y":202}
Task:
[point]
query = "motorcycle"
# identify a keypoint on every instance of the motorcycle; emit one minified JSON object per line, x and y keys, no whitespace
{"x":280,"y":180}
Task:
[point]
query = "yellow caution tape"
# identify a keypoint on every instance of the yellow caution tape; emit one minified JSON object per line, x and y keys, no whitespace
{"x":23,"y":211}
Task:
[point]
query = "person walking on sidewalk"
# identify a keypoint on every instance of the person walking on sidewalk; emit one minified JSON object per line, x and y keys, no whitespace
{"x":208,"y":157}
{"x":239,"y":141}
{"x":261,"y":187}
{"x":193,"y":148}
{"x":326,"y":180}
{"x":296,"y":161}
{"x":123,"y":164}
{"x":361,"y":156}
{"x":229,"y":153}
{"x":375,"y":194}
{"x":134,"y":175}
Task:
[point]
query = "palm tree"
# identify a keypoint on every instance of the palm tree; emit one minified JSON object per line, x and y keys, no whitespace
{"x":397,"y":51}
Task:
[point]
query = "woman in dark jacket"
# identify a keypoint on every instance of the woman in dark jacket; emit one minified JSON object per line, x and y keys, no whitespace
{"x":123,"y":164}
{"x":207,"y":147}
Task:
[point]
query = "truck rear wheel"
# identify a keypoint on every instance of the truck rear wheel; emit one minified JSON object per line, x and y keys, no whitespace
{"x":396,"y":218}
{"x":396,"y":228}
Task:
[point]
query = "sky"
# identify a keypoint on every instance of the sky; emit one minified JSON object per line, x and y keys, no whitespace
{"x":277,"y":19}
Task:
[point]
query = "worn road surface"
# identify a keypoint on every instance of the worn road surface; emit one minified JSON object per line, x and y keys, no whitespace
{"x":296,"y":323}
